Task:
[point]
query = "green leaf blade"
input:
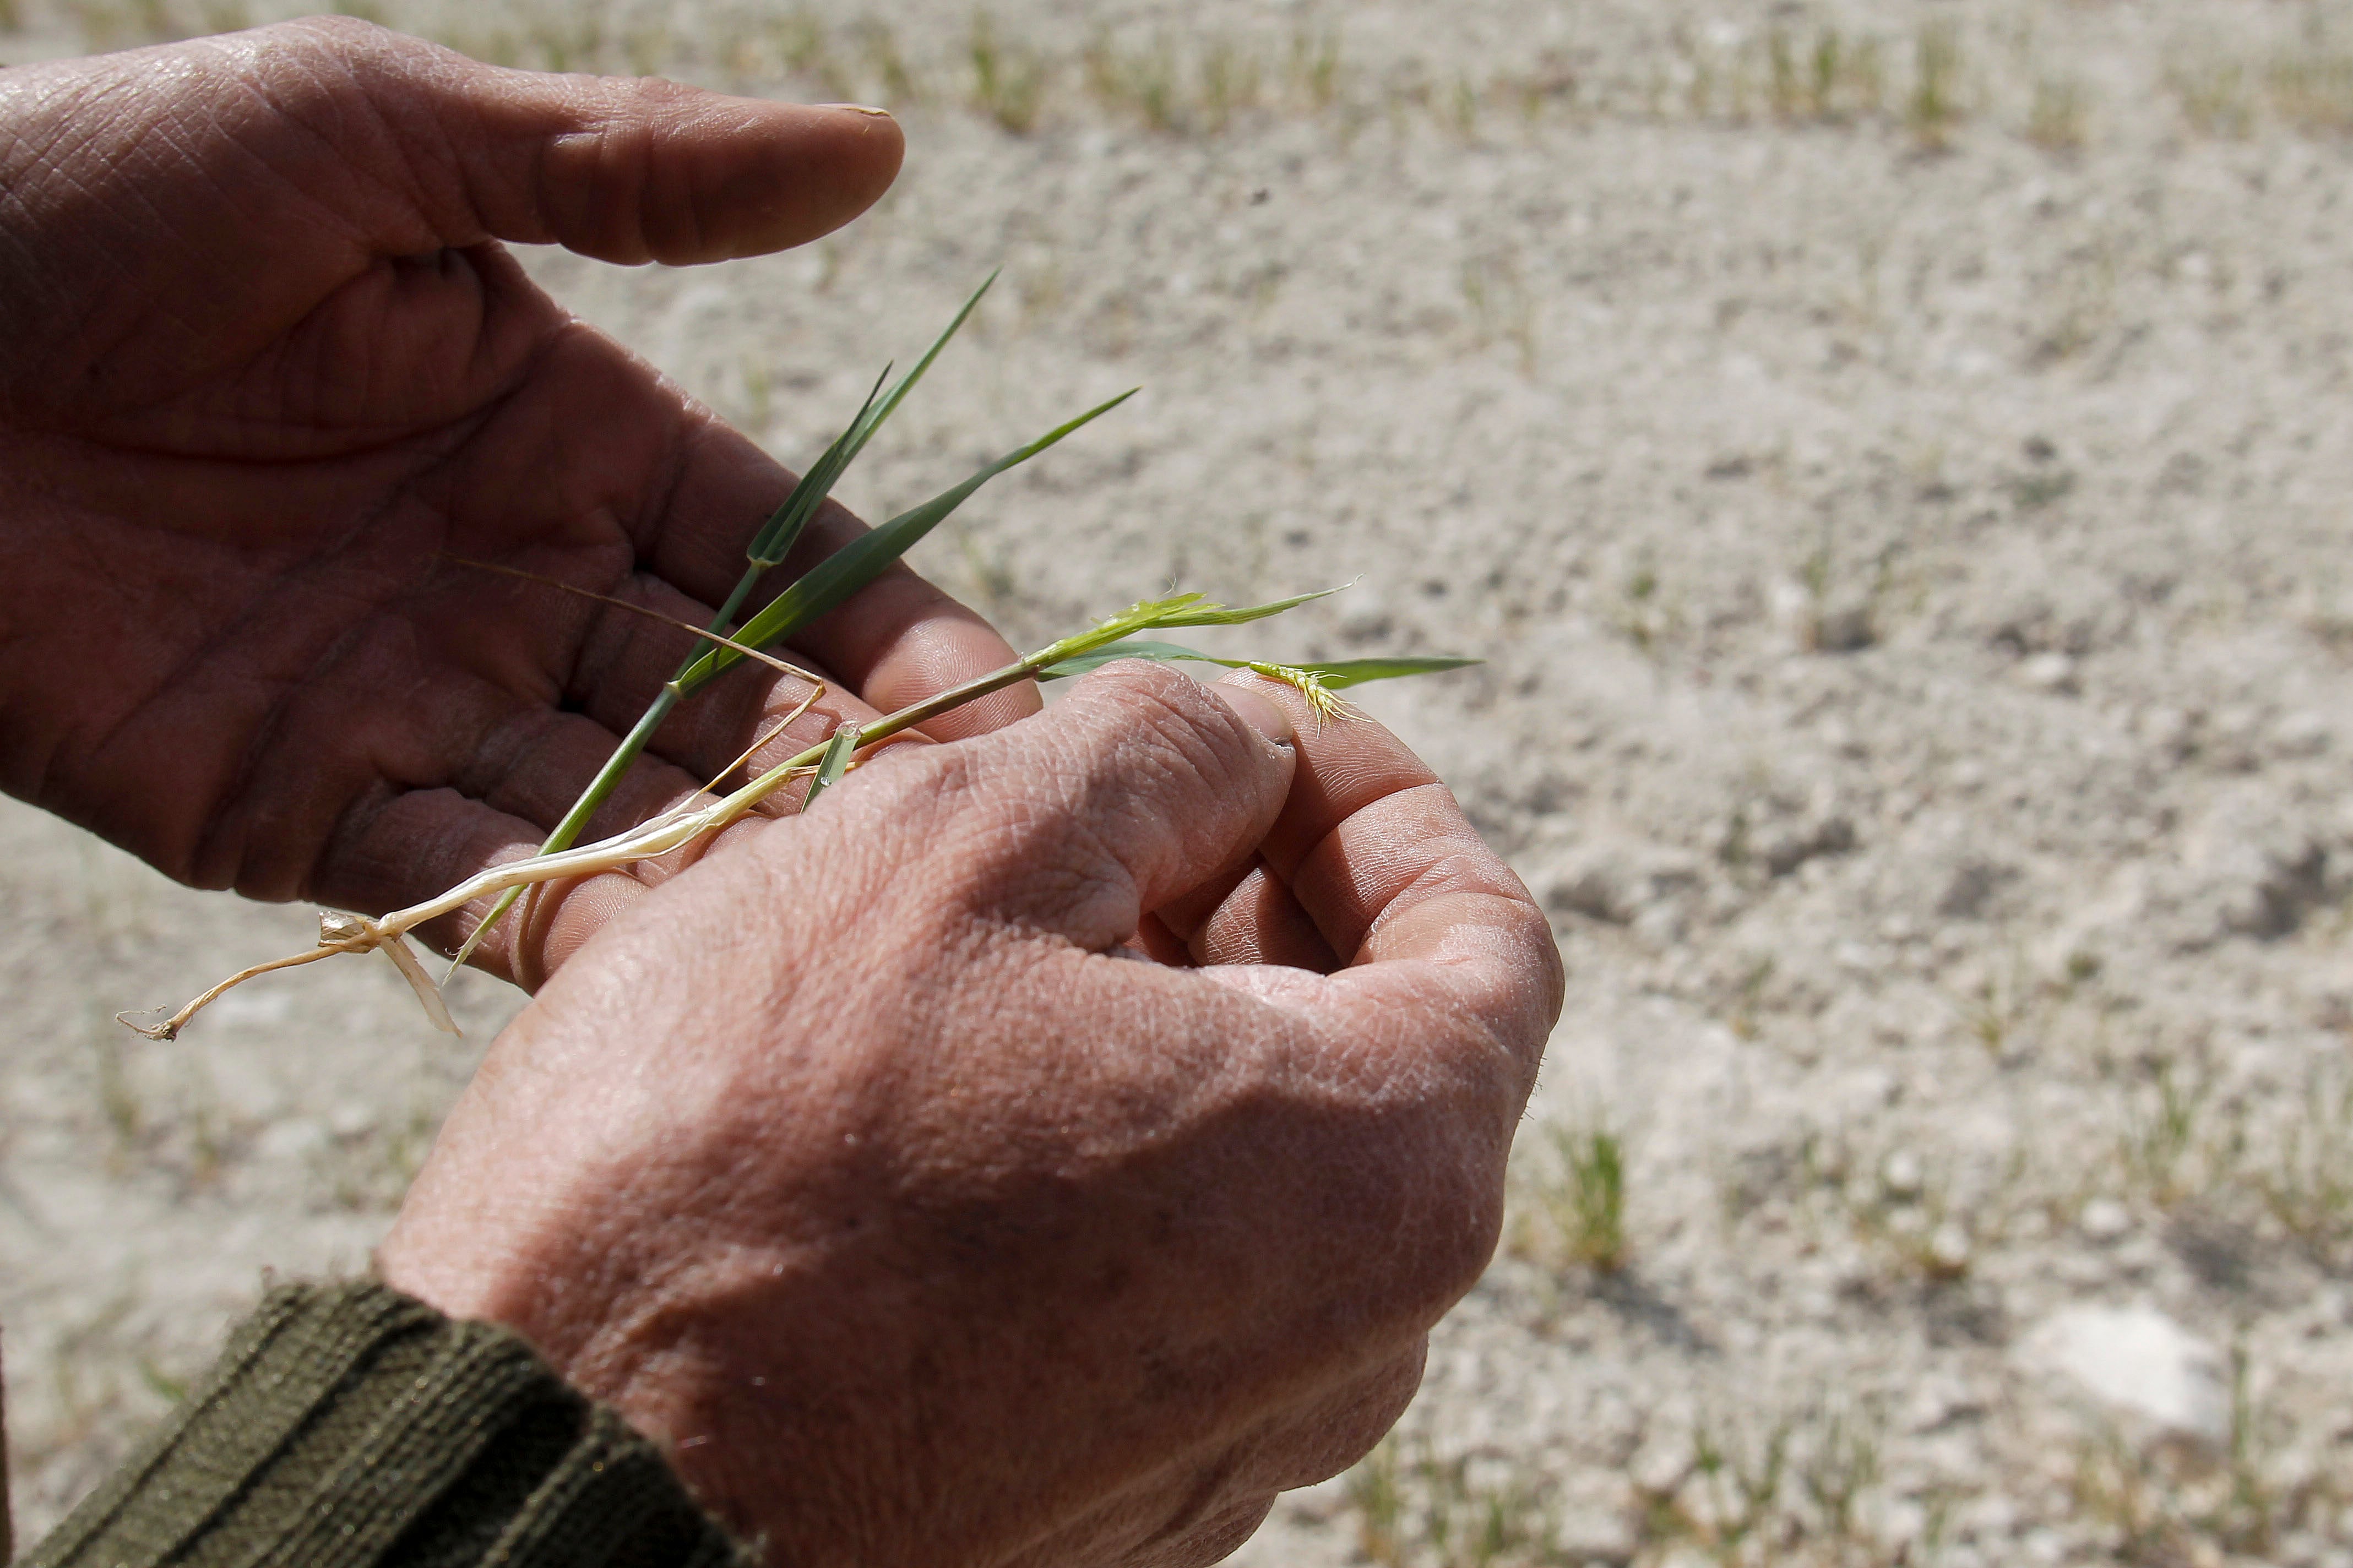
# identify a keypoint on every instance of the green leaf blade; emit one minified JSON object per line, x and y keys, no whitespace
{"x":1337,"y":673}
{"x":868,"y":422}
{"x":851,"y":568}
{"x":1165,"y":652}
{"x":783,"y":529}
{"x":1229,"y":615}
{"x":1334,"y":673}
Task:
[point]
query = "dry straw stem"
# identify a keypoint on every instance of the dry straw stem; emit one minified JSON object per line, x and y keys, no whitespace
{"x":815,"y":686}
{"x":826,"y":763}
{"x":706,"y":633}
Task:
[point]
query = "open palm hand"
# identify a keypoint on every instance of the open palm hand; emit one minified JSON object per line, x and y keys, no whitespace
{"x":265,"y":369}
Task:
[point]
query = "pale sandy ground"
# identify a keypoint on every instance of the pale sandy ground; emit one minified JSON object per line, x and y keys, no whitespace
{"x":1915,"y":585}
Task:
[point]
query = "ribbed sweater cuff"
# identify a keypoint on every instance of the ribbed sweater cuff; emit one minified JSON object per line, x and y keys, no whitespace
{"x":351,"y":1426}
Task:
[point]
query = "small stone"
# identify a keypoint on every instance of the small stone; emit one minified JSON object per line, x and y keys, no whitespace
{"x":1797,"y":846}
{"x":2043,"y":1546}
{"x":1938,"y":1402}
{"x":1950,"y":1249}
{"x":2103,"y":1220}
{"x":2301,"y":735}
{"x":2138,"y":1360}
{"x":1589,"y":1532}
{"x":1368,"y":620}
{"x":2051,"y":672}
{"x":1662,"y":1464}
{"x":1901,"y":1177}
{"x":1901,"y":1523}
{"x":352,"y":1119}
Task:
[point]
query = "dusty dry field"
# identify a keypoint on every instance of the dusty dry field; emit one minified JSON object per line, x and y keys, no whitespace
{"x":1895,"y":458}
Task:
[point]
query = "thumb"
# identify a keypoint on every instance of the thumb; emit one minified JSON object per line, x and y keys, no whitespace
{"x":197,"y":200}
{"x":624,"y":169}
{"x":1139,"y":785}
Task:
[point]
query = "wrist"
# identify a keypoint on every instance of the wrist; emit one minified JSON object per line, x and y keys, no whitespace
{"x":351,"y":1426}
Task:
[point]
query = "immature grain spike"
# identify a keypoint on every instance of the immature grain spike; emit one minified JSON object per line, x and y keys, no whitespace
{"x":1321,"y":699}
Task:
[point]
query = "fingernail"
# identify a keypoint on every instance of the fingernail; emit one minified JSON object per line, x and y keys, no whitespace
{"x":856,"y":109}
{"x":1267,"y":718}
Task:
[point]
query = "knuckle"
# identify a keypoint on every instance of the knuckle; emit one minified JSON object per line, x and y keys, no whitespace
{"x":1461,"y":1243}
{"x":1377,"y":1401}
{"x":1447,"y":1233}
{"x":620,"y":150}
{"x":1156,"y":693}
{"x":974,"y":846}
{"x":1158,"y":717}
{"x":338,"y":31}
{"x":1410,"y":1224}
{"x":1223,"y":1534}
{"x":1320,"y":1442}
{"x":334,"y":51}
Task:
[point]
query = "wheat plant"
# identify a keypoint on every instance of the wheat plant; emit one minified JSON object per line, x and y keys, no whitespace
{"x":716,"y":649}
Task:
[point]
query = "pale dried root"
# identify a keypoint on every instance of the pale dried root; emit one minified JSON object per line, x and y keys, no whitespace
{"x":338,"y":933}
{"x":341,"y":932}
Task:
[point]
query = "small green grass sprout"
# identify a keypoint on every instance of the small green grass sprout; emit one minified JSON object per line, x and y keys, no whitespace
{"x":1318,"y":683}
{"x":1589,"y":1206}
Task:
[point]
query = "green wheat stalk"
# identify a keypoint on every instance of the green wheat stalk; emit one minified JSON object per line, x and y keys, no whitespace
{"x":767,"y":549}
{"x":820,"y":590}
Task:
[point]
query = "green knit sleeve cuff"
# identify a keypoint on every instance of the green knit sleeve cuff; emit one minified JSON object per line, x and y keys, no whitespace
{"x":351,"y":1426}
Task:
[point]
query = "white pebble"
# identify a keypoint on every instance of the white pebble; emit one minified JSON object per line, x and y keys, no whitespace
{"x":2104,"y":1219}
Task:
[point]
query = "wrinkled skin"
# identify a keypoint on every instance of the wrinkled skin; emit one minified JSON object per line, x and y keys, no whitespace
{"x":930,"y":1225}
{"x":263,"y":363}
{"x":1060,"y":1142}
